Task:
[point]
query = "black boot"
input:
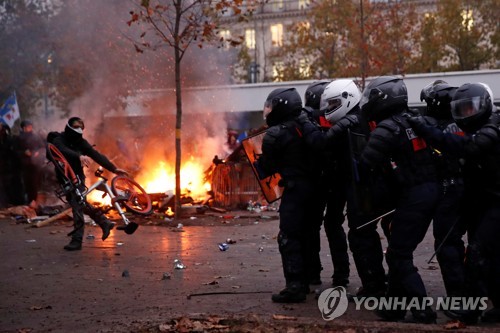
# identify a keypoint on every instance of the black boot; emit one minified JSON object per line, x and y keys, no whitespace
{"x":491,"y":316}
{"x":468,"y":317}
{"x":74,"y":245}
{"x":427,"y":316}
{"x":106,"y":227}
{"x":294,"y":293}
{"x":391,"y":315}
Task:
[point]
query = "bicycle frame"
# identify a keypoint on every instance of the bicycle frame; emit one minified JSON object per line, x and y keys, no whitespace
{"x":103,"y":181}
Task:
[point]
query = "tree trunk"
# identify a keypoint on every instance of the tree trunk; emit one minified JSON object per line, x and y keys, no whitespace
{"x":178,"y":115}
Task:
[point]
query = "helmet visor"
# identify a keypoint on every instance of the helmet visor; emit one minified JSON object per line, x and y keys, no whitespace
{"x":333,"y":104}
{"x":467,"y":107}
{"x":268,"y":108}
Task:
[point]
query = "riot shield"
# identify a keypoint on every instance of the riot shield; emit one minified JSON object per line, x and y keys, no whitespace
{"x":373,"y":189}
{"x":269,"y":185}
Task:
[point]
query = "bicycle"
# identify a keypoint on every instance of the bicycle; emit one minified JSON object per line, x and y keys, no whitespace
{"x":124,"y":191}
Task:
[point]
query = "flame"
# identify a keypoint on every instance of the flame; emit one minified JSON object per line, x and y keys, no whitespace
{"x":160,"y":178}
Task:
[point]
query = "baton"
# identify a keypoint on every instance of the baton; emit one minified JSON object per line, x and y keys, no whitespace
{"x":444,"y":239}
{"x":375,"y":219}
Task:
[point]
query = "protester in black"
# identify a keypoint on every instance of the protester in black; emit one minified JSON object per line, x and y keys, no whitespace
{"x":30,"y":149}
{"x":79,"y":154}
{"x":285,"y":152}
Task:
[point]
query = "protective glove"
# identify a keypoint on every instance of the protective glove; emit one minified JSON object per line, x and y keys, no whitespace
{"x":303,"y":118}
{"x":342,"y":126}
{"x":416,"y":121}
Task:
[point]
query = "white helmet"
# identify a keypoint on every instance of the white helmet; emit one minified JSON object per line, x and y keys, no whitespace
{"x":338,"y":98}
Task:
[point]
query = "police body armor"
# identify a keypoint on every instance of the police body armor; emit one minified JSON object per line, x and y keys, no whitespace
{"x":411,"y":158}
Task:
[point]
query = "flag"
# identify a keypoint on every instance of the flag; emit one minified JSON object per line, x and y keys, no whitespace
{"x":9,"y":112}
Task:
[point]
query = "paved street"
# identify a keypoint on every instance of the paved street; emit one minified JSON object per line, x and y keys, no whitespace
{"x":129,"y":282}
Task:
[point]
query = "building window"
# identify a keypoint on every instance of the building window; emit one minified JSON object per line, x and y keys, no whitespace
{"x":303,"y":4}
{"x":225,"y":35}
{"x":250,"y":38}
{"x":304,"y":68}
{"x":277,"y":69}
{"x":467,"y":19}
{"x":277,"y":34}
{"x":276,"y":5}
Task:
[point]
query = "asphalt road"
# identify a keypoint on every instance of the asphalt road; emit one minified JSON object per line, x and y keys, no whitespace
{"x":128,"y":283}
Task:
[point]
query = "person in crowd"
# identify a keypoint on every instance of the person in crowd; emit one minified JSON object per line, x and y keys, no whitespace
{"x":330,"y":201}
{"x":448,"y":229}
{"x":79,"y":153}
{"x":30,"y":148}
{"x":393,"y":142}
{"x":285,"y":152}
{"x":473,"y":110}
{"x":11,"y":185}
{"x":340,"y":104}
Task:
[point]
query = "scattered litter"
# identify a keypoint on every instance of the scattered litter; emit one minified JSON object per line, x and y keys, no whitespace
{"x":264,"y":237}
{"x":179,"y":226}
{"x":119,"y":243}
{"x":168,"y":219}
{"x":263,"y":270}
{"x":256,"y":222}
{"x":282,"y":317}
{"x":261,"y":249}
{"x":453,"y":325}
{"x":125,"y":273}
{"x":193,"y":218}
{"x":90,"y":236}
{"x":230,"y":241}
{"x":227,"y":217}
{"x":38,"y":218}
{"x":166,"y":276}
{"x":223,"y":246}
{"x":31,"y":241}
{"x":265,"y":217}
{"x":236,"y":287}
{"x":39,"y":307}
{"x":212,"y":283}
{"x":178,"y":264}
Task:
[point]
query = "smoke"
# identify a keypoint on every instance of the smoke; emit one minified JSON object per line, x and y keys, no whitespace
{"x":94,"y":35}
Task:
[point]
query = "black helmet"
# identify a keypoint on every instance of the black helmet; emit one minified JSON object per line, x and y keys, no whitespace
{"x":472,"y":105}
{"x":312,"y":97}
{"x":384,"y":96}
{"x":282,"y":104}
{"x":438,"y":95}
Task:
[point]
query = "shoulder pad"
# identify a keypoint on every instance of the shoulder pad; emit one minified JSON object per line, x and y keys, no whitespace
{"x":389,"y":124}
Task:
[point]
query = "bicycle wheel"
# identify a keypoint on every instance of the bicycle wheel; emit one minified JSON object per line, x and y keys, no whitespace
{"x":137,"y":200}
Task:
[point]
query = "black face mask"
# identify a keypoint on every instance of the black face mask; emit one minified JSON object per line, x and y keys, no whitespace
{"x":72,"y":135}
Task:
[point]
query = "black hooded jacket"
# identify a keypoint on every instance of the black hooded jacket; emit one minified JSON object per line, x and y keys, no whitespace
{"x":72,"y":145}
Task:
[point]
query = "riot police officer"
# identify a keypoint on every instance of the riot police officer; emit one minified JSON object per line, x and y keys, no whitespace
{"x":385,"y":101}
{"x":340,"y":102}
{"x":447,"y":229}
{"x":284,"y":151}
{"x":473,"y":110}
{"x":330,"y":199}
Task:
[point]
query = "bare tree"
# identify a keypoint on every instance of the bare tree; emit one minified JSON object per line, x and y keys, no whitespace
{"x":177,"y":24}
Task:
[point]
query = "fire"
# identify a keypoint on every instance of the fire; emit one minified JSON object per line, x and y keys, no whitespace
{"x":160,"y":178}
